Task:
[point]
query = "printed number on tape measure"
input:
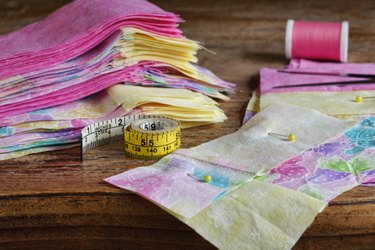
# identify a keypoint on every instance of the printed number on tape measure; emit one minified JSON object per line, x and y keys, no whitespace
{"x":144,"y":136}
{"x":152,"y":138}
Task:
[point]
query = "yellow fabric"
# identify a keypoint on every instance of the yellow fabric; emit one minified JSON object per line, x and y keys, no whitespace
{"x":181,"y":104}
{"x":338,"y":104}
{"x":258,"y":215}
{"x":139,"y":45}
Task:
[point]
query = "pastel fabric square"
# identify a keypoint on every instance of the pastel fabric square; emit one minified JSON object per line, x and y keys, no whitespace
{"x":177,"y":181}
{"x":258,"y":215}
{"x":333,"y":167}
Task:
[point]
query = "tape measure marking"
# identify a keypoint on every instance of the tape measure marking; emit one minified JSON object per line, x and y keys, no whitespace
{"x":152,"y":138}
{"x":144,"y":136}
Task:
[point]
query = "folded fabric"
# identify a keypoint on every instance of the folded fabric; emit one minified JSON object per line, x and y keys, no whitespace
{"x":176,"y":182}
{"x":181,"y":104}
{"x":122,"y":57}
{"x":252,"y":107}
{"x":38,"y":149}
{"x":337,"y":100}
{"x":76,"y":28}
{"x":62,"y":124}
{"x":31,"y":140}
{"x":56,"y":85}
{"x":303,"y":72}
{"x":94,"y":106}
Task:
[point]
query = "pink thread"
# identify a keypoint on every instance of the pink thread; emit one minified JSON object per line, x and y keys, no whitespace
{"x":318,"y":40}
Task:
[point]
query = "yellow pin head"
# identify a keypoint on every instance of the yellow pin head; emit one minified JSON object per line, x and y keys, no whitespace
{"x":207,"y":178}
{"x":358,"y":99}
{"x":291,"y":137}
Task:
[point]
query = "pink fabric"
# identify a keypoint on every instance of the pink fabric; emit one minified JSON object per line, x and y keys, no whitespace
{"x":52,"y":79}
{"x":270,"y":78}
{"x":316,"y":40}
{"x":76,"y":28}
{"x":71,"y":93}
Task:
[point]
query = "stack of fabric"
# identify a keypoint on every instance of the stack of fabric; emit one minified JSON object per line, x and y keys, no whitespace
{"x":61,"y":80}
{"x":324,"y":86}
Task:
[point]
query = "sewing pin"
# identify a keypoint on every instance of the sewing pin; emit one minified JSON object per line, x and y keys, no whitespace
{"x":206,"y":178}
{"x":290,"y":137}
{"x":359,"y":99}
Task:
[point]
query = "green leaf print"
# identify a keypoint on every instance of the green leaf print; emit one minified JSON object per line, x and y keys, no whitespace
{"x":337,"y":165}
{"x":354,"y":166}
{"x":361,"y":164}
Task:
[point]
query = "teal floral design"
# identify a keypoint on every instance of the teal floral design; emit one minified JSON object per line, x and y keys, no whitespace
{"x":333,"y":167}
{"x":361,"y":136}
{"x":5,"y":131}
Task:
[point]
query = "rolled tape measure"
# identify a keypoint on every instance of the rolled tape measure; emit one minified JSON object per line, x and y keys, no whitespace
{"x":152,"y":138}
{"x":144,"y":136}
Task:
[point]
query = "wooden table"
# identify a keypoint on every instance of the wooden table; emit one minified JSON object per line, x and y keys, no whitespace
{"x":53,"y":200}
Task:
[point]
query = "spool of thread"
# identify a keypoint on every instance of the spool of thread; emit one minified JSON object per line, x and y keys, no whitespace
{"x":326,"y":41}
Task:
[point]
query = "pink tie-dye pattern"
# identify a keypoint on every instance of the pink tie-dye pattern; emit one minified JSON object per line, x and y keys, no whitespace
{"x":77,"y":28}
{"x":270,"y":78}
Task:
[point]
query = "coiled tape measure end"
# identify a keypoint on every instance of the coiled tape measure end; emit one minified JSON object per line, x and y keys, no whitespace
{"x":152,"y":138}
{"x":144,"y":136}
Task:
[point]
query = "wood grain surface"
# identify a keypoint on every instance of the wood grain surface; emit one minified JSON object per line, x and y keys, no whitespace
{"x":52,"y":200}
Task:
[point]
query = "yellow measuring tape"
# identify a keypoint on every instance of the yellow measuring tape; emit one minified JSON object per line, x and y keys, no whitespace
{"x":152,"y":138}
{"x":145,"y":136}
